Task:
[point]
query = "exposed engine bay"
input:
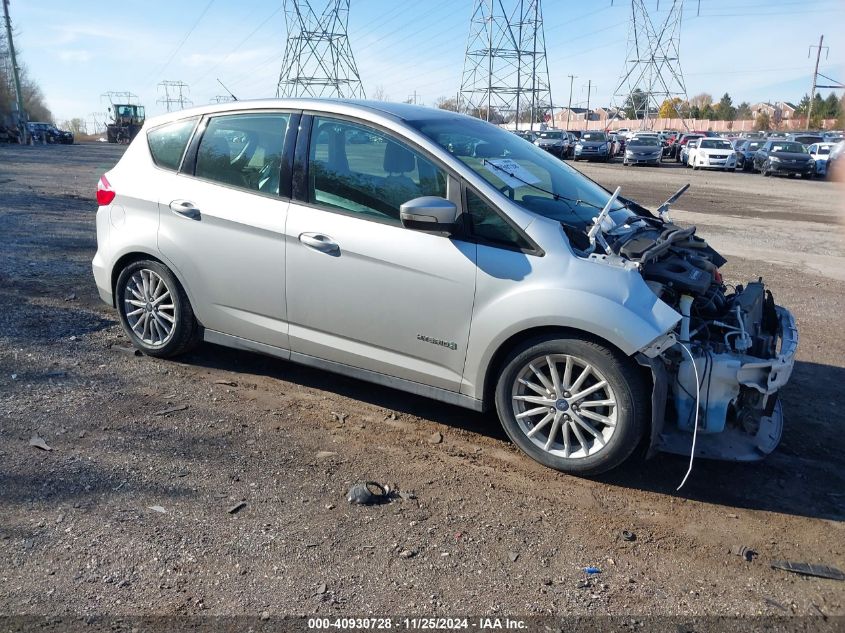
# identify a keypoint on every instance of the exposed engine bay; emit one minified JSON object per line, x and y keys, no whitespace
{"x":742,"y":343}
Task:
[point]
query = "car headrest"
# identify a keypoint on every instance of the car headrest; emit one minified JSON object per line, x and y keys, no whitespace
{"x":397,"y":159}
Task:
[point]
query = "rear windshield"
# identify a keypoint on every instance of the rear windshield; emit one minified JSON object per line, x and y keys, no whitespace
{"x":647,"y":141}
{"x":593,"y":136}
{"x":796,"y":148}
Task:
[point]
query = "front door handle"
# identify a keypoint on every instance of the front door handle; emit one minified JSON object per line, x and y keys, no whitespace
{"x":320,"y":242}
{"x":186,"y":209}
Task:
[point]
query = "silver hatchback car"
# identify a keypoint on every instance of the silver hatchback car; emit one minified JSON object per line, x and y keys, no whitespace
{"x":438,"y":254}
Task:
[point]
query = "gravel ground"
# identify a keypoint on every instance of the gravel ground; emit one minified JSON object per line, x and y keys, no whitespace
{"x":128,"y":513}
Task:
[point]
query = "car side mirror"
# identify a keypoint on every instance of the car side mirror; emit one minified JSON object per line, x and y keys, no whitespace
{"x":429,"y":213}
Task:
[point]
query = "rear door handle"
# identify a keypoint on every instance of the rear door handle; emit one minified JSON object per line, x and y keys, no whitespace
{"x":320,"y":242}
{"x":186,"y":209}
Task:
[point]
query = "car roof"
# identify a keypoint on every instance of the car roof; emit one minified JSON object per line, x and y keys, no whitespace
{"x":398,"y":111}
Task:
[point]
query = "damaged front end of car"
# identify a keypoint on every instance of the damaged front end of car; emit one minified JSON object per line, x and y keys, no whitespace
{"x":740,"y":345}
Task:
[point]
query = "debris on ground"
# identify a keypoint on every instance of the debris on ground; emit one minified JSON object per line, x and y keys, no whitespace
{"x":746,"y":552}
{"x":169,"y":410}
{"x":340,"y":417}
{"x":592,"y":570}
{"x":322,"y":588}
{"x":70,"y":297}
{"x":629,"y":536}
{"x":808,"y":569}
{"x":513,"y":556}
{"x":435,"y":438}
{"x":407,"y":496}
{"x":240,"y":505}
{"x":324,"y":454}
{"x":39,"y":442}
{"x":228,"y":383}
{"x":407,"y":553}
{"x":774,"y":603}
{"x":124,"y":349}
{"x":368,"y":493}
{"x":158,"y":509}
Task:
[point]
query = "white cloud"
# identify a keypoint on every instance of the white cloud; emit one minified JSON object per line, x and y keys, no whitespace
{"x":234,"y":59}
{"x":75,"y":56}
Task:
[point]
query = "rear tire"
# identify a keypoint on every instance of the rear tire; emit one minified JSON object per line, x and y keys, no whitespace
{"x":560,"y":435}
{"x":154,"y":310}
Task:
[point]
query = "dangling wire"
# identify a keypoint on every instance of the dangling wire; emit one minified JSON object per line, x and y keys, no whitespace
{"x":695,"y":427}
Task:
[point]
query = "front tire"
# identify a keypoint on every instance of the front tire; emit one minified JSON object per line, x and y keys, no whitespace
{"x":154,"y":310}
{"x":572,"y":404}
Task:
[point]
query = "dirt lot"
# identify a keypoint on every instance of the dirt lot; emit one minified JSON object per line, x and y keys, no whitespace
{"x":489,"y":530}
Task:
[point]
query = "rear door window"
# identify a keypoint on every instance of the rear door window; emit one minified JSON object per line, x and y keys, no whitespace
{"x":168,"y":142}
{"x":244,"y":151}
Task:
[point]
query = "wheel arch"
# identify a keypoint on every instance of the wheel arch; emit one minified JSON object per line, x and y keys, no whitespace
{"x":136,"y":255}
{"x":497,"y":360}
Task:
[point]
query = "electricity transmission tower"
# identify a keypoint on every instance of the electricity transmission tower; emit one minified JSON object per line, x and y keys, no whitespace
{"x":506,"y":72}
{"x":318,"y":60}
{"x":221,"y":99}
{"x":175,"y":95}
{"x":652,"y":72}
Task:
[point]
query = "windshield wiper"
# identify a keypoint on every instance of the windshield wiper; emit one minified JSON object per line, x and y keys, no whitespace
{"x":663,"y":209}
{"x":555,"y":196}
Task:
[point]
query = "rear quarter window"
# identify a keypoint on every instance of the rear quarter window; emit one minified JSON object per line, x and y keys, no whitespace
{"x":168,"y":142}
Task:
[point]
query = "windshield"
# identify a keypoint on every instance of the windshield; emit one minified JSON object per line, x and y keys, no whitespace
{"x":593,"y":136}
{"x":796,"y":148}
{"x":526,"y":174}
{"x":711,"y":144}
{"x":648,"y":141}
{"x":550,"y":134}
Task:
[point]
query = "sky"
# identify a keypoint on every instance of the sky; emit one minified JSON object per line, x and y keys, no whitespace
{"x":756,"y":50}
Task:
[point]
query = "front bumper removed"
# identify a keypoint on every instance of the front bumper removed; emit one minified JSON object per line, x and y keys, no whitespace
{"x":731,"y":441}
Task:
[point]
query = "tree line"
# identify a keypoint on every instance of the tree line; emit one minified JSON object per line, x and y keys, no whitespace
{"x":702,"y":106}
{"x":33,"y":98}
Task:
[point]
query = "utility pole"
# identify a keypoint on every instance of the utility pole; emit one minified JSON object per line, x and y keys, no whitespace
{"x":413,"y":98}
{"x":815,"y":77}
{"x":15,"y":74}
{"x":569,"y":108}
{"x":587,"y":114}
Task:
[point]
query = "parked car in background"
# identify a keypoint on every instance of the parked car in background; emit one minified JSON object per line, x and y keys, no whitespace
{"x":617,"y":144}
{"x":820,"y":152}
{"x":528,"y":135}
{"x":593,"y":146}
{"x":713,"y":153}
{"x":555,"y":142}
{"x":745,"y":150}
{"x":833,"y":136}
{"x":643,"y":150}
{"x":679,"y":144}
{"x":468,"y":278}
{"x":9,"y":134}
{"x":48,"y":133}
{"x":686,"y":149}
{"x":783,"y":157}
{"x":806,"y":139}
{"x":835,"y":166}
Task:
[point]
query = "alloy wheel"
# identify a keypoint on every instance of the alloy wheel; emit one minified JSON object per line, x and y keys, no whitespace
{"x":149,"y":307}
{"x":564,"y":405}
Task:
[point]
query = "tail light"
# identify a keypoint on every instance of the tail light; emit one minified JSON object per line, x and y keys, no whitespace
{"x":105,"y":194}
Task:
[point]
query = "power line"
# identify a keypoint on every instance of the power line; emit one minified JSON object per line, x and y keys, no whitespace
{"x":183,"y":40}
{"x":241,"y":43}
